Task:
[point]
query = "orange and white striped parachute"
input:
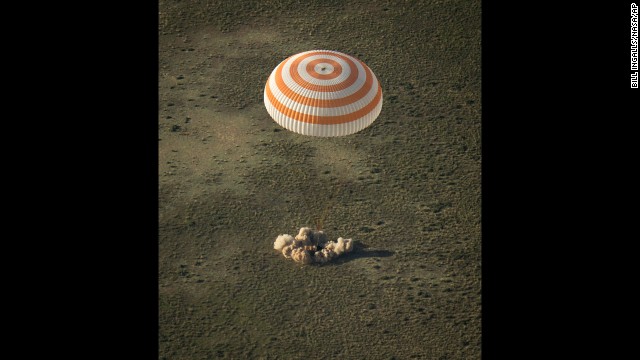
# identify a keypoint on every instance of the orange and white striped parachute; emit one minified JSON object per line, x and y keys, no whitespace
{"x":323,"y":93}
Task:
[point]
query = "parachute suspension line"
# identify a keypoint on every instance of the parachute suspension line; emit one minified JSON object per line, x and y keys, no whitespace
{"x":330,"y":202}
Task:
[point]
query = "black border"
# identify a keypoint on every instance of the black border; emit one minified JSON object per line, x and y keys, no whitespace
{"x":118,"y":146}
{"x":557,"y":131}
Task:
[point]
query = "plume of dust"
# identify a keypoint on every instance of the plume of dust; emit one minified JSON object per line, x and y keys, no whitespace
{"x":311,"y":246}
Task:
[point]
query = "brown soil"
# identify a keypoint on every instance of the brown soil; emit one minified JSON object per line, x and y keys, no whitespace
{"x":406,"y":189}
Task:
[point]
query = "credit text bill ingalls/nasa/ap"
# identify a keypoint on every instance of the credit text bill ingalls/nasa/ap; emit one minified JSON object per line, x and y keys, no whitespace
{"x":634,"y":46}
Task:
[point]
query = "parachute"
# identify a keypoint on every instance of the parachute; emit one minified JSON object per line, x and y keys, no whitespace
{"x":323,"y":93}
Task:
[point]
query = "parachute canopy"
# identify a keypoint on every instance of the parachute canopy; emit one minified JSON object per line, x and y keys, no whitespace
{"x":323,"y":93}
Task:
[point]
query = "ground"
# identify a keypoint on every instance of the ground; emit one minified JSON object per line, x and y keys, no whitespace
{"x":406,"y":189}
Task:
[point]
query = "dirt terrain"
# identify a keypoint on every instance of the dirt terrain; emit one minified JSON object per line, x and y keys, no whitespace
{"x":406,"y":189}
